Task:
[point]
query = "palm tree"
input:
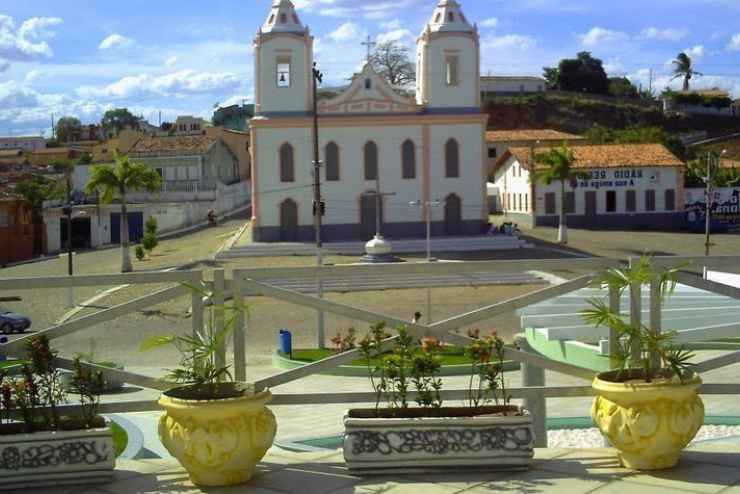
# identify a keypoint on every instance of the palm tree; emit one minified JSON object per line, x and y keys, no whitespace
{"x":118,"y":181}
{"x":683,"y":67}
{"x":558,"y":167}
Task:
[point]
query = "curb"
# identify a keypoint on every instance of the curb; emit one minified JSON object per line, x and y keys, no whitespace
{"x":281,"y":362}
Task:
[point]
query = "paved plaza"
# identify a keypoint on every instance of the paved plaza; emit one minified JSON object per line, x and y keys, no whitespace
{"x":709,"y":469}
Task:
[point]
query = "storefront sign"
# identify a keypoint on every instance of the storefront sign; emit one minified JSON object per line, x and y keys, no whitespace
{"x":619,"y":177}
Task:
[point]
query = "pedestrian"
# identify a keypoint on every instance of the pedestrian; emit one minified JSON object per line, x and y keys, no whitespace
{"x":212,"y":217}
{"x":416,"y":318}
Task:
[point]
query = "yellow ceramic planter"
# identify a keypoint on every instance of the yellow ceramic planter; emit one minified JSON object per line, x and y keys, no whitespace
{"x":219,"y":442}
{"x":648,"y":423}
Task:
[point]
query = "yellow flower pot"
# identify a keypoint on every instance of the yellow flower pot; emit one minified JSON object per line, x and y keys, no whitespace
{"x":648,"y":423}
{"x":219,"y":442}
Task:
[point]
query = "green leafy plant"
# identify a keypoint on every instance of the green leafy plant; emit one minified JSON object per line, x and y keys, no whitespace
{"x":149,"y":241}
{"x":140,"y":254}
{"x":487,"y":381}
{"x":43,"y":378}
{"x":637,"y":346}
{"x":88,"y":385}
{"x":199,"y":365}
{"x":347,"y":342}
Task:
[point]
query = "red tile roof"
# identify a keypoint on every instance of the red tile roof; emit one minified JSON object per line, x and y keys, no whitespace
{"x":529,"y":135}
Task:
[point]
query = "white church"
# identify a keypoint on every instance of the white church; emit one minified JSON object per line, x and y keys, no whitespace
{"x":428,"y":149}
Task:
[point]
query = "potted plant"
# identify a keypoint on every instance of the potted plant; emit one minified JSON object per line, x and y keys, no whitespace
{"x":40,"y":446}
{"x":218,"y":429}
{"x":108,"y":385}
{"x":487,"y":433}
{"x":648,"y":406}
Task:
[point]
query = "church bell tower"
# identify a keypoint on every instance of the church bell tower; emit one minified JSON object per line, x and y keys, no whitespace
{"x":448,"y":60}
{"x":283,"y":53}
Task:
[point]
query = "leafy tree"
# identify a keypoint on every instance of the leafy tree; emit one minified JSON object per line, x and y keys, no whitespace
{"x":85,"y":159}
{"x":583,"y":74}
{"x":696,"y":171}
{"x":558,"y":167}
{"x":392,"y":61}
{"x":117,"y":182}
{"x":116,"y":120}
{"x":622,"y":87}
{"x":35,"y":191}
{"x":68,"y":129}
{"x":683,"y":67}
{"x":166,"y":126}
{"x":140,"y":254}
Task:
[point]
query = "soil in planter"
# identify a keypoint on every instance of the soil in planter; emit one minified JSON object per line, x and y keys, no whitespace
{"x":637,"y":376}
{"x":208,"y":392}
{"x":65,"y":424}
{"x":444,"y":412}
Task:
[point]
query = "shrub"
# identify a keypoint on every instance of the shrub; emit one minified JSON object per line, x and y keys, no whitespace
{"x":140,"y":254}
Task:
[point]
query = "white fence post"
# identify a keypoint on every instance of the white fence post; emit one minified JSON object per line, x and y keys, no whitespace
{"x":655,"y":318}
{"x":219,"y":287}
{"x":614,"y":306}
{"x":196,"y":302}
{"x":240,"y":356}
{"x":533,"y":376}
{"x":635,"y":318}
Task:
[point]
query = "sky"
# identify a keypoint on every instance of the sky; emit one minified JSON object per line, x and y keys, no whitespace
{"x":83,"y":57}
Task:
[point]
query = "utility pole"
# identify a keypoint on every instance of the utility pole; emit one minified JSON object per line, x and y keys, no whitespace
{"x":70,"y":265}
{"x":708,"y":181}
{"x":651,"y":82}
{"x":318,"y":207}
{"x":427,"y":205}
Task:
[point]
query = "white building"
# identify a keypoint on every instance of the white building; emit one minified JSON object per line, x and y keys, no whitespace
{"x":187,"y":125}
{"x":28,"y":144}
{"x":504,"y":85}
{"x":628,"y":186}
{"x":425,"y":149}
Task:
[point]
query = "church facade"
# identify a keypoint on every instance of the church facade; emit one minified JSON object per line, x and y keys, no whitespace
{"x":430,"y":149}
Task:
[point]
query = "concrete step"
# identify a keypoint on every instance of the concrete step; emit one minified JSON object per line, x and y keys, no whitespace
{"x":451,"y":244}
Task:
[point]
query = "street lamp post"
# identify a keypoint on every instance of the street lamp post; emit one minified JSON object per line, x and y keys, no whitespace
{"x":708,"y":181}
{"x":70,"y":264}
{"x":428,"y":217}
{"x":318,"y":206}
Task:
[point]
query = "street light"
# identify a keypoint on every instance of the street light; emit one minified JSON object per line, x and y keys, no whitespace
{"x":428,"y":214}
{"x":708,"y":180}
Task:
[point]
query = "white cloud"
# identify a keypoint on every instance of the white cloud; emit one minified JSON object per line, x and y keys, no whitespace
{"x":668,"y":34}
{"x":601,"y":36}
{"x":180,"y":83}
{"x":171,"y":62}
{"x":696,"y":51}
{"x":353,"y":9}
{"x":114,"y":41}
{"x":346,"y":32}
{"x":509,"y":41}
{"x":614,"y":66}
{"x":4,"y":65}
{"x":395,"y":35}
{"x":28,"y":42}
{"x":391,"y":25}
{"x":490,"y":23}
{"x":734,"y":44}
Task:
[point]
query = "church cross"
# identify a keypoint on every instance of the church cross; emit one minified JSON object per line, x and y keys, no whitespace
{"x":369,"y":44}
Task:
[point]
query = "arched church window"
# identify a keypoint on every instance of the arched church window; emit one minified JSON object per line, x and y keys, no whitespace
{"x":287,"y":168}
{"x":437,"y":17}
{"x":452,"y":159}
{"x":283,"y":18}
{"x":332,"y":162}
{"x":295,"y":19}
{"x":408,"y":160}
{"x":451,"y":16}
{"x":371,"y":161}
{"x":368,"y":84}
{"x":272,"y":19}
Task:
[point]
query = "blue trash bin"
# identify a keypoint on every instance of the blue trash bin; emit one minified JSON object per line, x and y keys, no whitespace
{"x":3,"y":340}
{"x":285,"y":342}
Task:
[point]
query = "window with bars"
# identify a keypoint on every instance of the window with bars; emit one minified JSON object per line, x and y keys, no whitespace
{"x":283,"y":73}
{"x":570,"y":203}
{"x":452,"y":70}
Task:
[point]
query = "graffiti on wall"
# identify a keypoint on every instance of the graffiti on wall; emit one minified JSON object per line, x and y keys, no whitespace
{"x":724,"y":212}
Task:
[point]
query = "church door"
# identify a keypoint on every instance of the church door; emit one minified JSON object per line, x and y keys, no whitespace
{"x":453,"y":215}
{"x":288,"y":221}
{"x":368,"y":210}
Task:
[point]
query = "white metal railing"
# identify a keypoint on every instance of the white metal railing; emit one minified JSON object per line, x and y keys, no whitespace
{"x":249,"y":283}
